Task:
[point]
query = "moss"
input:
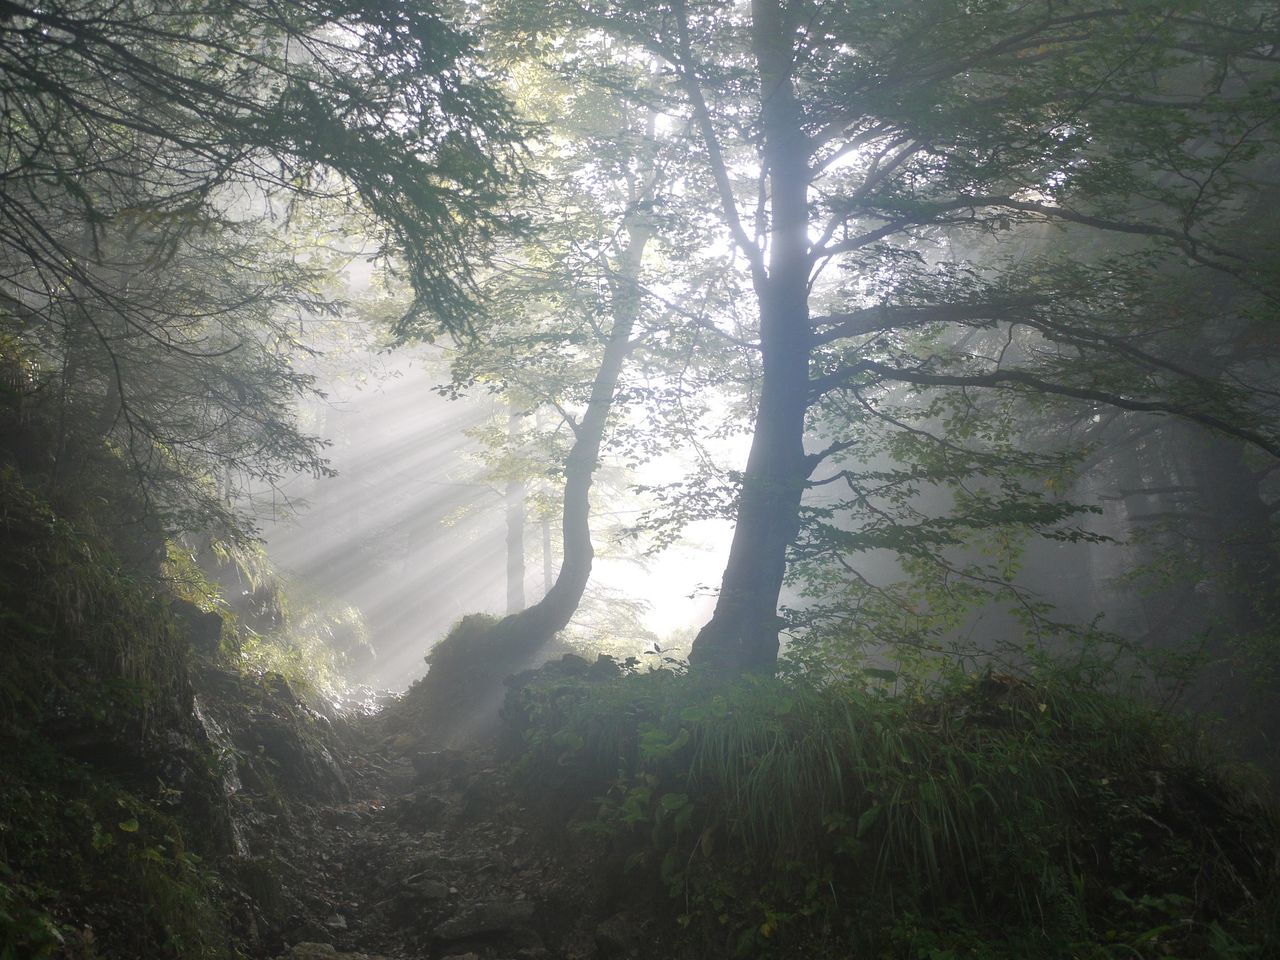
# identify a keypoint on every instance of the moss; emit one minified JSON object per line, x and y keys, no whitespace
{"x":473,"y":658}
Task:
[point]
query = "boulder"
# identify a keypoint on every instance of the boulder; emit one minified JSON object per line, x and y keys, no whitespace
{"x":618,"y":936}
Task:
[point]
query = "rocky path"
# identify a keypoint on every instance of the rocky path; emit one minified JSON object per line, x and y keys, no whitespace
{"x":432,"y":857}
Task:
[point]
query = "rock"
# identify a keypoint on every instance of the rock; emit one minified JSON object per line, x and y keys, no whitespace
{"x":203,"y":629}
{"x":480,"y":919}
{"x":336,"y":922}
{"x":437,"y":765}
{"x":419,"y":900}
{"x":304,"y":930}
{"x":310,"y":951}
{"x":619,"y":936}
{"x":427,"y":889}
{"x":322,"y":951}
{"x":420,"y":810}
{"x":605,"y":668}
{"x":483,"y":794}
{"x":304,"y":762}
{"x":526,"y":938}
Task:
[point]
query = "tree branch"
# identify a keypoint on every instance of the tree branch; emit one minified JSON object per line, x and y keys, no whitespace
{"x":1021,"y":378}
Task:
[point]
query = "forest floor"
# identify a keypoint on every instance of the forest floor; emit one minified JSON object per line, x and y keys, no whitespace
{"x":433,"y":857}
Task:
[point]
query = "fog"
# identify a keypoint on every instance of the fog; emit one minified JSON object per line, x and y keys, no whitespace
{"x":412,"y":531}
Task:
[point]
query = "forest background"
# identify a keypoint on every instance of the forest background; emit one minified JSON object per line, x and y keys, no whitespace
{"x":986,"y":292}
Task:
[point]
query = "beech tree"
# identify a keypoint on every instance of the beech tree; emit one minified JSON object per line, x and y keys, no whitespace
{"x":564,"y":312}
{"x":855,"y":151}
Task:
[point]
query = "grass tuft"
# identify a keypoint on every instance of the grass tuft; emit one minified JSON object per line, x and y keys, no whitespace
{"x":794,"y":816}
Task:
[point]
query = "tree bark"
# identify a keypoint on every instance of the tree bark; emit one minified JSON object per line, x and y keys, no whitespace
{"x":535,"y":625}
{"x":514,"y":497}
{"x":463,"y":689}
{"x":742,"y":634}
{"x":548,"y":567}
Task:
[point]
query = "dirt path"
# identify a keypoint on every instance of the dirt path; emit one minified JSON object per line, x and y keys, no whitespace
{"x":432,"y":858}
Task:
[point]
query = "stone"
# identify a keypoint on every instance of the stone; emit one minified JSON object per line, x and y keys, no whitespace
{"x":322,"y":951}
{"x":480,"y":919}
{"x":437,"y":765}
{"x":303,"y":762}
{"x":420,"y":810}
{"x":618,"y":936}
{"x":203,"y":629}
{"x":310,"y":951}
{"x":427,"y":889}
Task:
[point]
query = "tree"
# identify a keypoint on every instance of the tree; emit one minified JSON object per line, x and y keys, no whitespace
{"x":886,"y":138}
{"x":571,"y":310}
{"x":156,"y":156}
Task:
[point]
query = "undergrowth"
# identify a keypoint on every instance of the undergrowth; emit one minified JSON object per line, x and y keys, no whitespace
{"x":89,"y":869}
{"x":988,"y":818}
{"x":270,"y":626}
{"x":68,"y":608}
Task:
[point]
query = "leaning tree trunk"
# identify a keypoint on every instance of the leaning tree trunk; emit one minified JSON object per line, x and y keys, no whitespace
{"x":463,"y":689}
{"x":742,"y":634}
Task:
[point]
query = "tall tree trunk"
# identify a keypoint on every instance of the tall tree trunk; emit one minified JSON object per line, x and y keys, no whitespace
{"x":743,"y":631}
{"x":548,"y":566}
{"x":514,"y":497}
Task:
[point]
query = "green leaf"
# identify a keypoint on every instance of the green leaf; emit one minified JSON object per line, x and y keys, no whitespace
{"x":888,"y":676}
{"x":129,"y":826}
{"x":671,"y":802}
{"x":868,"y":819}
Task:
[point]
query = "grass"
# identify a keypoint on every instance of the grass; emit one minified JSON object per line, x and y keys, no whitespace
{"x":67,"y":607}
{"x":789,"y":816}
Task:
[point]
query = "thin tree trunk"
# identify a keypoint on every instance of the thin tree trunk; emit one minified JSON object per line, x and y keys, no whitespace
{"x":538,"y":623}
{"x":743,"y":631}
{"x":463,"y":688}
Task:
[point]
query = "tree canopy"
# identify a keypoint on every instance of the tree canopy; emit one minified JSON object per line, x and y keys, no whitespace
{"x":885,"y":170}
{"x":941,"y":261}
{"x":180,"y":182}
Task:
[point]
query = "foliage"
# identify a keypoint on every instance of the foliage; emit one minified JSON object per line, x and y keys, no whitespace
{"x":986,"y":816}
{"x":372,"y":105}
{"x":893,"y":177}
{"x":89,"y":869}
{"x":312,"y":647}
{"x":185,"y":182}
{"x":86,"y":632}
{"x":270,"y":625}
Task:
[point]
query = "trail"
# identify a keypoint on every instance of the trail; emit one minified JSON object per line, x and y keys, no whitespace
{"x":432,"y":858}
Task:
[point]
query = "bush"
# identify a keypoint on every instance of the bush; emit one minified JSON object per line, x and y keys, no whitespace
{"x":88,"y":869}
